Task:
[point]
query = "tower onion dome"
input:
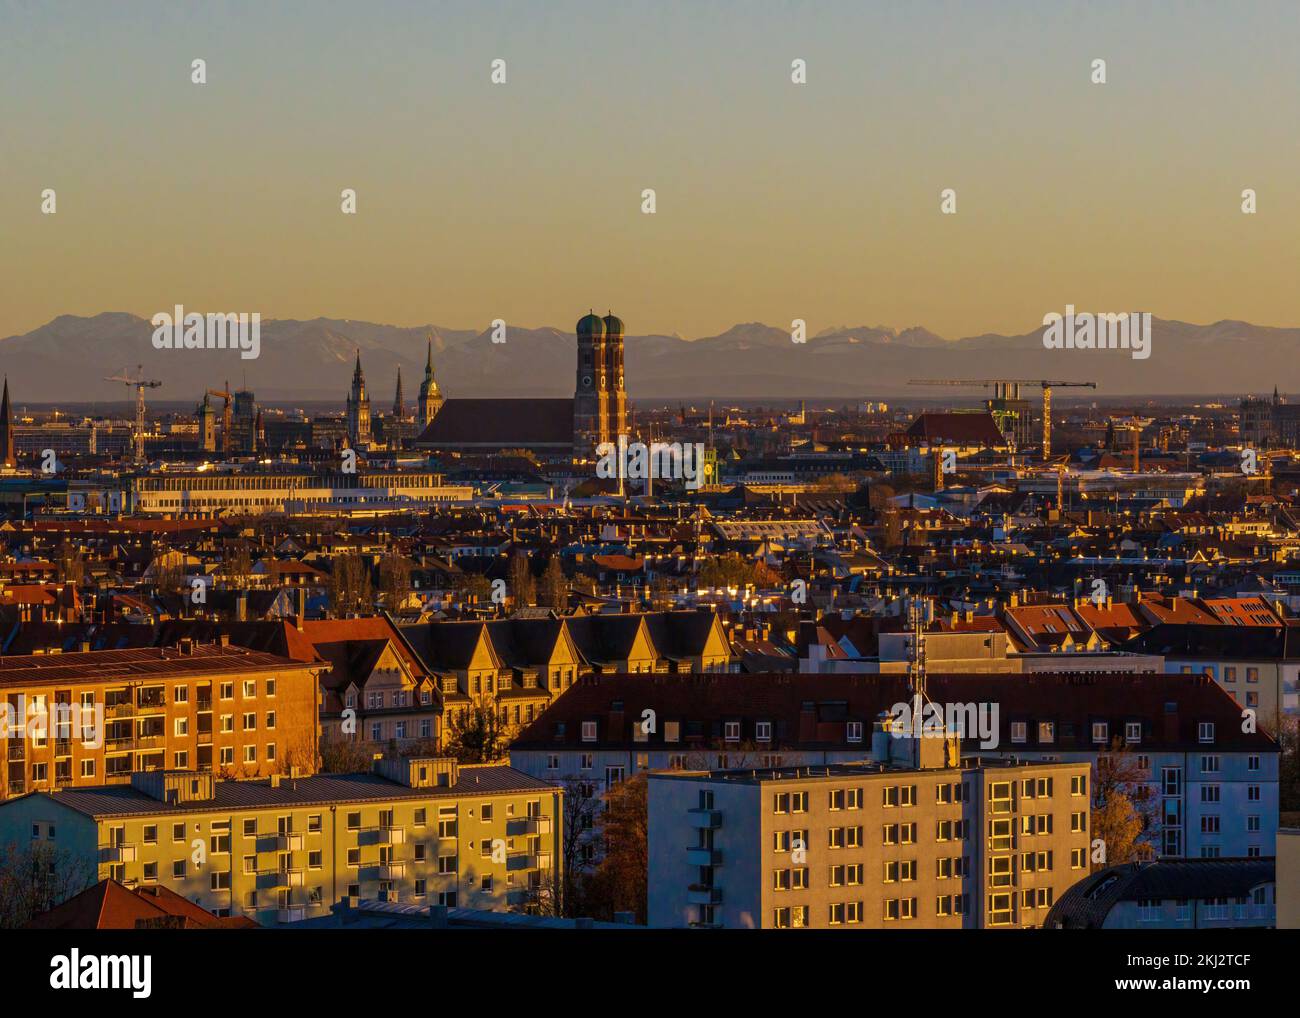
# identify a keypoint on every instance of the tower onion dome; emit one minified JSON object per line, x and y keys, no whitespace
{"x":613,"y":326}
{"x":591,"y":325}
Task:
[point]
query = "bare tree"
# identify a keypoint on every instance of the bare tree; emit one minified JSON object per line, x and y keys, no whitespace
{"x":350,"y":585}
{"x":555,"y":587}
{"x":37,"y":876}
{"x":522,"y":587}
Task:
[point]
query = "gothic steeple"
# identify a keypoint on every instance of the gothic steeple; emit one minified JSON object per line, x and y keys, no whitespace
{"x":7,"y":426}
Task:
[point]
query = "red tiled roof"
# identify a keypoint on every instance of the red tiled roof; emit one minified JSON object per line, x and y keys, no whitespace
{"x":809,"y":710}
{"x":109,"y":905}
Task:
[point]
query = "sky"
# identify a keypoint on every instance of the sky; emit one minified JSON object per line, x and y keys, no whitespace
{"x":774,"y":201}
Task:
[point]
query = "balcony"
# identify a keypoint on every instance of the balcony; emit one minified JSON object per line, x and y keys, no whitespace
{"x":288,"y":842}
{"x":279,"y":880}
{"x":390,"y":835}
{"x":392,"y":870}
{"x":63,"y":747}
{"x":521,"y":861}
{"x":17,"y":787}
{"x":697,"y":856}
{"x":704,"y":819}
{"x":120,"y":710}
{"x":698,"y":894}
{"x":17,"y":750}
{"x":154,"y":740}
{"x":524,"y":826}
{"x":120,"y":742}
{"x":291,"y":914}
{"x":151,"y":701}
{"x":117,"y":853}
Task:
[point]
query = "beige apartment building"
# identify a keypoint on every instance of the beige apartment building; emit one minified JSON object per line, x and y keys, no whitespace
{"x":95,"y":717}
{"x":416,"y":830}
{"x":885,"y":843}
{"x":1288,"y":878}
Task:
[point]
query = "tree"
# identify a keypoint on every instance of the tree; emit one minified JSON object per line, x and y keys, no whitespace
{"x":564,"y":896}
{"x":521,"y":580}
{"x":349,"y":585}
{"x":619,"y":881}
{"x":1288,"y":777}
{"x":555,"y":587}
{"x":237,"y":564}
{"x":341,"y":755}
{"x":168,"y":576}
{"x":473,"y":586}
{"x":1123,"y":816}
{"x":476,"y":734}
{"x":37,"y":876}
{"x":394,"y":580}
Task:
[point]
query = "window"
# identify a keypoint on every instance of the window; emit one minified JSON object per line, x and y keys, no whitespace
{"x":1205,"y":731}
{"x":731,"y":731}
{"x":1079,"y":784}
{"x":1046,"y":732}
{"x":1100,"y":732}
{"x":589,"y":731}
{"x":855,"y":731}
{"x":763,"y":731}
{"x":178,"y":832}
{"x":1133,"y":732}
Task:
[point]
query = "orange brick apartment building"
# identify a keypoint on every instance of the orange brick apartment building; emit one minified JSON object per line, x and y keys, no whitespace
{"x":92,"y":718}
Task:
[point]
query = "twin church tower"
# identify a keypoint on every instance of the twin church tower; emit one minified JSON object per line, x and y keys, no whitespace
{"x":600,"y":397}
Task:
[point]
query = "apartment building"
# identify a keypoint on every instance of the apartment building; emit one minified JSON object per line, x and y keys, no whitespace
{"x":1288,"y":878}
{"x":419,"y":830}
{"x":95,"y":717}
{"x":1212,"y":787}
{"x":880,"y":843}
{"x":1171,"y":894}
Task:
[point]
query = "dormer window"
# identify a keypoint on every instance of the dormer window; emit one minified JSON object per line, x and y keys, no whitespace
{"x":763,"y":731}
{"x":731,"y":731}
{"x":854,"y":731}
{"x":1046,"y":733}
{"x":1133,"y":733}
{"x":589,"y":731}
{"x":1100,"y":732}
{"x":1019,"y":731}
{"x":1205,"y":731}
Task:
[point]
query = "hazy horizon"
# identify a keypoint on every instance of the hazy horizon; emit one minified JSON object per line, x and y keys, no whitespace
{"x":775,"y":201}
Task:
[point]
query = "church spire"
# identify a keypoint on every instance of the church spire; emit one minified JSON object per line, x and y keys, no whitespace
{"x":6,"y":424}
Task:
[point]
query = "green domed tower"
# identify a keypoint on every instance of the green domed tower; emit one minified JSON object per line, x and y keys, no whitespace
{"x":591,"y":394}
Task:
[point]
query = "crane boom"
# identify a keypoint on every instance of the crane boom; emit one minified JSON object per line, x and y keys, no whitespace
{"x":140,"y":383}
{"x":1009,"y":388}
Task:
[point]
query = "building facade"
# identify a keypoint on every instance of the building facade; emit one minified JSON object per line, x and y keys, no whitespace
{"x":94,"y":717}
{"x":420,"y":830}
{"x":877,"y":844}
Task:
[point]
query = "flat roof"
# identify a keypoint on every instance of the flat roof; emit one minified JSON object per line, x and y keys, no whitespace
{"x":103,"y":801}
{"x":858,"y":769}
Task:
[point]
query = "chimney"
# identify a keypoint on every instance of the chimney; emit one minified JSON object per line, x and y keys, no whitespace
{"x":300,"y":600}
{"x":808,"y":721}
{"x":1171,"y":722}
{"x":187,"y":645}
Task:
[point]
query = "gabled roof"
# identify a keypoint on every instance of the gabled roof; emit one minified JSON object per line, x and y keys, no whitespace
{"x":109,"y":905}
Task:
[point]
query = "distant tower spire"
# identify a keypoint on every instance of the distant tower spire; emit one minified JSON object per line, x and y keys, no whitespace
{"x":399,"y":404}
{"x":358,"y":409}
{"x":6,"y":425}
{"x":429,"y":400}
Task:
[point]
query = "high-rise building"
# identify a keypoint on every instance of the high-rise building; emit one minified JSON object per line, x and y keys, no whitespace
{"x":429,"y":401}
{"x":7,"y":426}
{"x":358,"y":411}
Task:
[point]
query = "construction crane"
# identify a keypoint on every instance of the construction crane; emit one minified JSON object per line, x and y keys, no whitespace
{"x":228,"y":397}
{"x":140,"y":383}
{"x":1009,"y":389}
